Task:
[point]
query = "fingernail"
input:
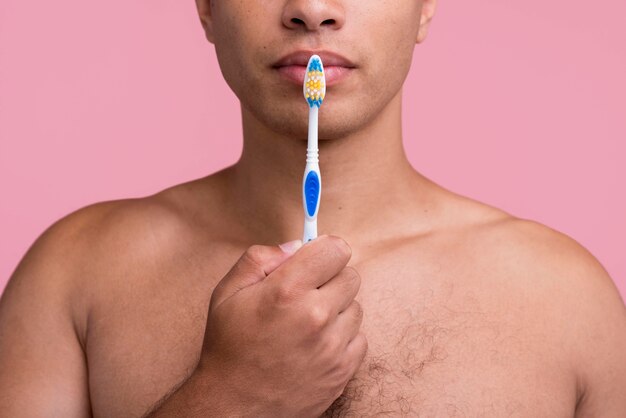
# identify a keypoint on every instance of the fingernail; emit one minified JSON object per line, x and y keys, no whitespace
{"x":291,"y":246}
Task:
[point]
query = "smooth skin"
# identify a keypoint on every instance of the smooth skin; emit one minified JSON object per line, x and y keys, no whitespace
{"x":467,"y":310}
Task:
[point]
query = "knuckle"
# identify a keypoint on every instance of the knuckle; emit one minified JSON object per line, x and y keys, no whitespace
{"x":255,"y":254}
{"x":332,"y":344}
{"x":352,"y":276}
{"x":358,"y":311}
{"x":284,"y":294}
{"x":317,"y":318}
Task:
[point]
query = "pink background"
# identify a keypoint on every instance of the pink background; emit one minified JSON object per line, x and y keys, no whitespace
{"x":518,"y":104}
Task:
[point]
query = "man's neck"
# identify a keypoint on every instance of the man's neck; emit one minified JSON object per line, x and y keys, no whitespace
{"x":369,"y":188}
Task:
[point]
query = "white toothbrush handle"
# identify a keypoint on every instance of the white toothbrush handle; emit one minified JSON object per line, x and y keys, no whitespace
{"x":311,"y":181}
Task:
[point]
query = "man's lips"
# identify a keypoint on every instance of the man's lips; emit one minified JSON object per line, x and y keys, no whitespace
{"x":292,"y":66}
{"x":295,"y":73}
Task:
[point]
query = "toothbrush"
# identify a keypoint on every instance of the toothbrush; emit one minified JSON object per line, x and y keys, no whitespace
{"x":314,"y":89}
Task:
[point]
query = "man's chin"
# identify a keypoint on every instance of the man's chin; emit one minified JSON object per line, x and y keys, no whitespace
{"x":330,"y":127}
{"x":335,"y":120}
{"x":326,"y":132}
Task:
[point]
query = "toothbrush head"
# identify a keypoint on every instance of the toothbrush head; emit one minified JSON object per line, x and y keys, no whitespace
{"x":314,"y":87}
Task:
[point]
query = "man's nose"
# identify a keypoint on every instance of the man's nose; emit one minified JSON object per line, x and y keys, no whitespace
{"x":311,"y":15}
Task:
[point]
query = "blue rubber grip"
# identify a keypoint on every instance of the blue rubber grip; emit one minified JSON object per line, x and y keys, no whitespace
{"x":311,"y":192}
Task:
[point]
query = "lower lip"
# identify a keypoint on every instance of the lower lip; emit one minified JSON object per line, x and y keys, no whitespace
{"x":332,"y":74}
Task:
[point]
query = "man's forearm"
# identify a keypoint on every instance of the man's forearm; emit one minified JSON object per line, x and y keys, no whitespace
{"x":200,"y":395}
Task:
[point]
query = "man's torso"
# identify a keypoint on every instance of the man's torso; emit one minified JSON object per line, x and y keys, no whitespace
{"x":458,"y":321}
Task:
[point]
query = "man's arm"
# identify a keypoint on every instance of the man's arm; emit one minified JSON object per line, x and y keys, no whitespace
{"x":305,"y":308}
{"x":602,"y":344}
{"x":583,"y":312}
{"x":42,"y":363}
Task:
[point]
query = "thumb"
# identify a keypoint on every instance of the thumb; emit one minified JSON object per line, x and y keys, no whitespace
{"x":253,"y":266}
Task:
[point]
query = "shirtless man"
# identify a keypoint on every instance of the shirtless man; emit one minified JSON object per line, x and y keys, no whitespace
{"x":467,"y":310}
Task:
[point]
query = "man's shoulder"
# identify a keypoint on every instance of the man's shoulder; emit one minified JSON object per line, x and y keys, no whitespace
{"x":526,"y":244}
{"x":133,"y":226}
{"x":540,"y":256}
{"x":559,"y":289}
{"x":487,"y":234}
{"x":584,"y":307}
{"x":541,"y":263}
{"x":116,"y":226}
{"x":560,"y":284}
{"x":106,"y":236}
{"x":536,"y":248}
{"x":100,"y":246}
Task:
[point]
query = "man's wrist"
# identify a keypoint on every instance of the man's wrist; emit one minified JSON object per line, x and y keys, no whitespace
{"x":200,"y":395}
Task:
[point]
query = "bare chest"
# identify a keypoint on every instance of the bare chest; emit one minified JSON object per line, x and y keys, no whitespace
{"x":438,"y":346}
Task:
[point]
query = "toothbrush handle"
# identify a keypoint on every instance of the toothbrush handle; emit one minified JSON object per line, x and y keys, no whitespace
{"x":311,"y":193}
{"x":312,"y":180}
{"x":310,"y":230}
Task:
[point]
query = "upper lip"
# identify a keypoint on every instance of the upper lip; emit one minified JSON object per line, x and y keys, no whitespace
{"x":302,"y":57}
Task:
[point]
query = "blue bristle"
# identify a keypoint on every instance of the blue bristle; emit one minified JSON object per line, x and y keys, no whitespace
{"x":312,"y":103}
{"x":315,"y":65}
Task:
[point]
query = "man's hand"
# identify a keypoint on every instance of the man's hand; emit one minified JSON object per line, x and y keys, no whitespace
{"x":282,"y":335}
